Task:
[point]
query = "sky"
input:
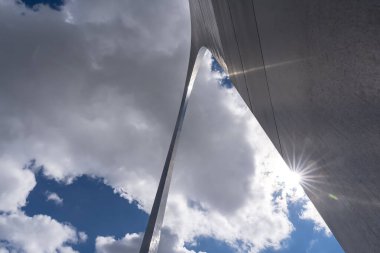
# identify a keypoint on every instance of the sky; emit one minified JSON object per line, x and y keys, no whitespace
{"x":89,"y":92}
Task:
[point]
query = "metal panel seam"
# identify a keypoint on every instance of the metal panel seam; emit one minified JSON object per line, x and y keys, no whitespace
{"x":241,"y":61}
{"x":266,"y":78}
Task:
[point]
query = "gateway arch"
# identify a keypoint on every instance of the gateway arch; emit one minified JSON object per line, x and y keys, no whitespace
{"x":309,"y":70}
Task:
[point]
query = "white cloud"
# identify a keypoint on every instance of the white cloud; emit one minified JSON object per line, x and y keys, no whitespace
{"x":131,"y":243}
{"x":82,"y":236}
{"x":233,"y":180}
{"x":108,"y":244}
{"x":95,"y":90}
{"x":36,"y":234}
{"x":20,"y":233}
{"x":310,"y":213}
{"x":52,"y":196}
{"x":311,"y":245}
{"x":15,"y":184}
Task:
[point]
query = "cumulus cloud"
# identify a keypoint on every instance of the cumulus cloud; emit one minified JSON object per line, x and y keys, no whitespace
{"x":310,"y":213}
{"x":15,"y":184}
{"x":131,"y":243}
{"x":82,"y":236}
{"x":108,"y":244}
{"x":52,"y":196}
{"x":223,"y":173}
{"x":95,"y":89}
{"x":21,"y":233}
{"x":39,"y":233}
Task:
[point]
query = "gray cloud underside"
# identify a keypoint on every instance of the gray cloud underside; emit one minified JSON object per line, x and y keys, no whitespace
{"x":95,"y":89}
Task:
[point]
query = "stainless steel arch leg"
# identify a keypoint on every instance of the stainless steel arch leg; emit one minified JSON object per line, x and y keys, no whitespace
{"x":153,"y":230}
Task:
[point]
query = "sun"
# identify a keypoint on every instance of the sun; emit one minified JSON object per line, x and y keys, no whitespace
{"x":295,"y":177}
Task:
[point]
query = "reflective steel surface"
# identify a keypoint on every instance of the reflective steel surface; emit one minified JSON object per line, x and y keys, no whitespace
{"x":153,"y":231}
{"x":310,"y":73}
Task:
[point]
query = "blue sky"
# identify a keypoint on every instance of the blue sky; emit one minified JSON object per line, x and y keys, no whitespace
{"x":89,"y":92}
{"x":54,"y":4}
{"x":91,"y":206}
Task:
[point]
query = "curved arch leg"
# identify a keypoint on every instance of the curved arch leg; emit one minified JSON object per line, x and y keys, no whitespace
{"x":153,"y":230}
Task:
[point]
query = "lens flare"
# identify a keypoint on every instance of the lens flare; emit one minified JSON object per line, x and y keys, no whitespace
{"x":295,"y":177}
